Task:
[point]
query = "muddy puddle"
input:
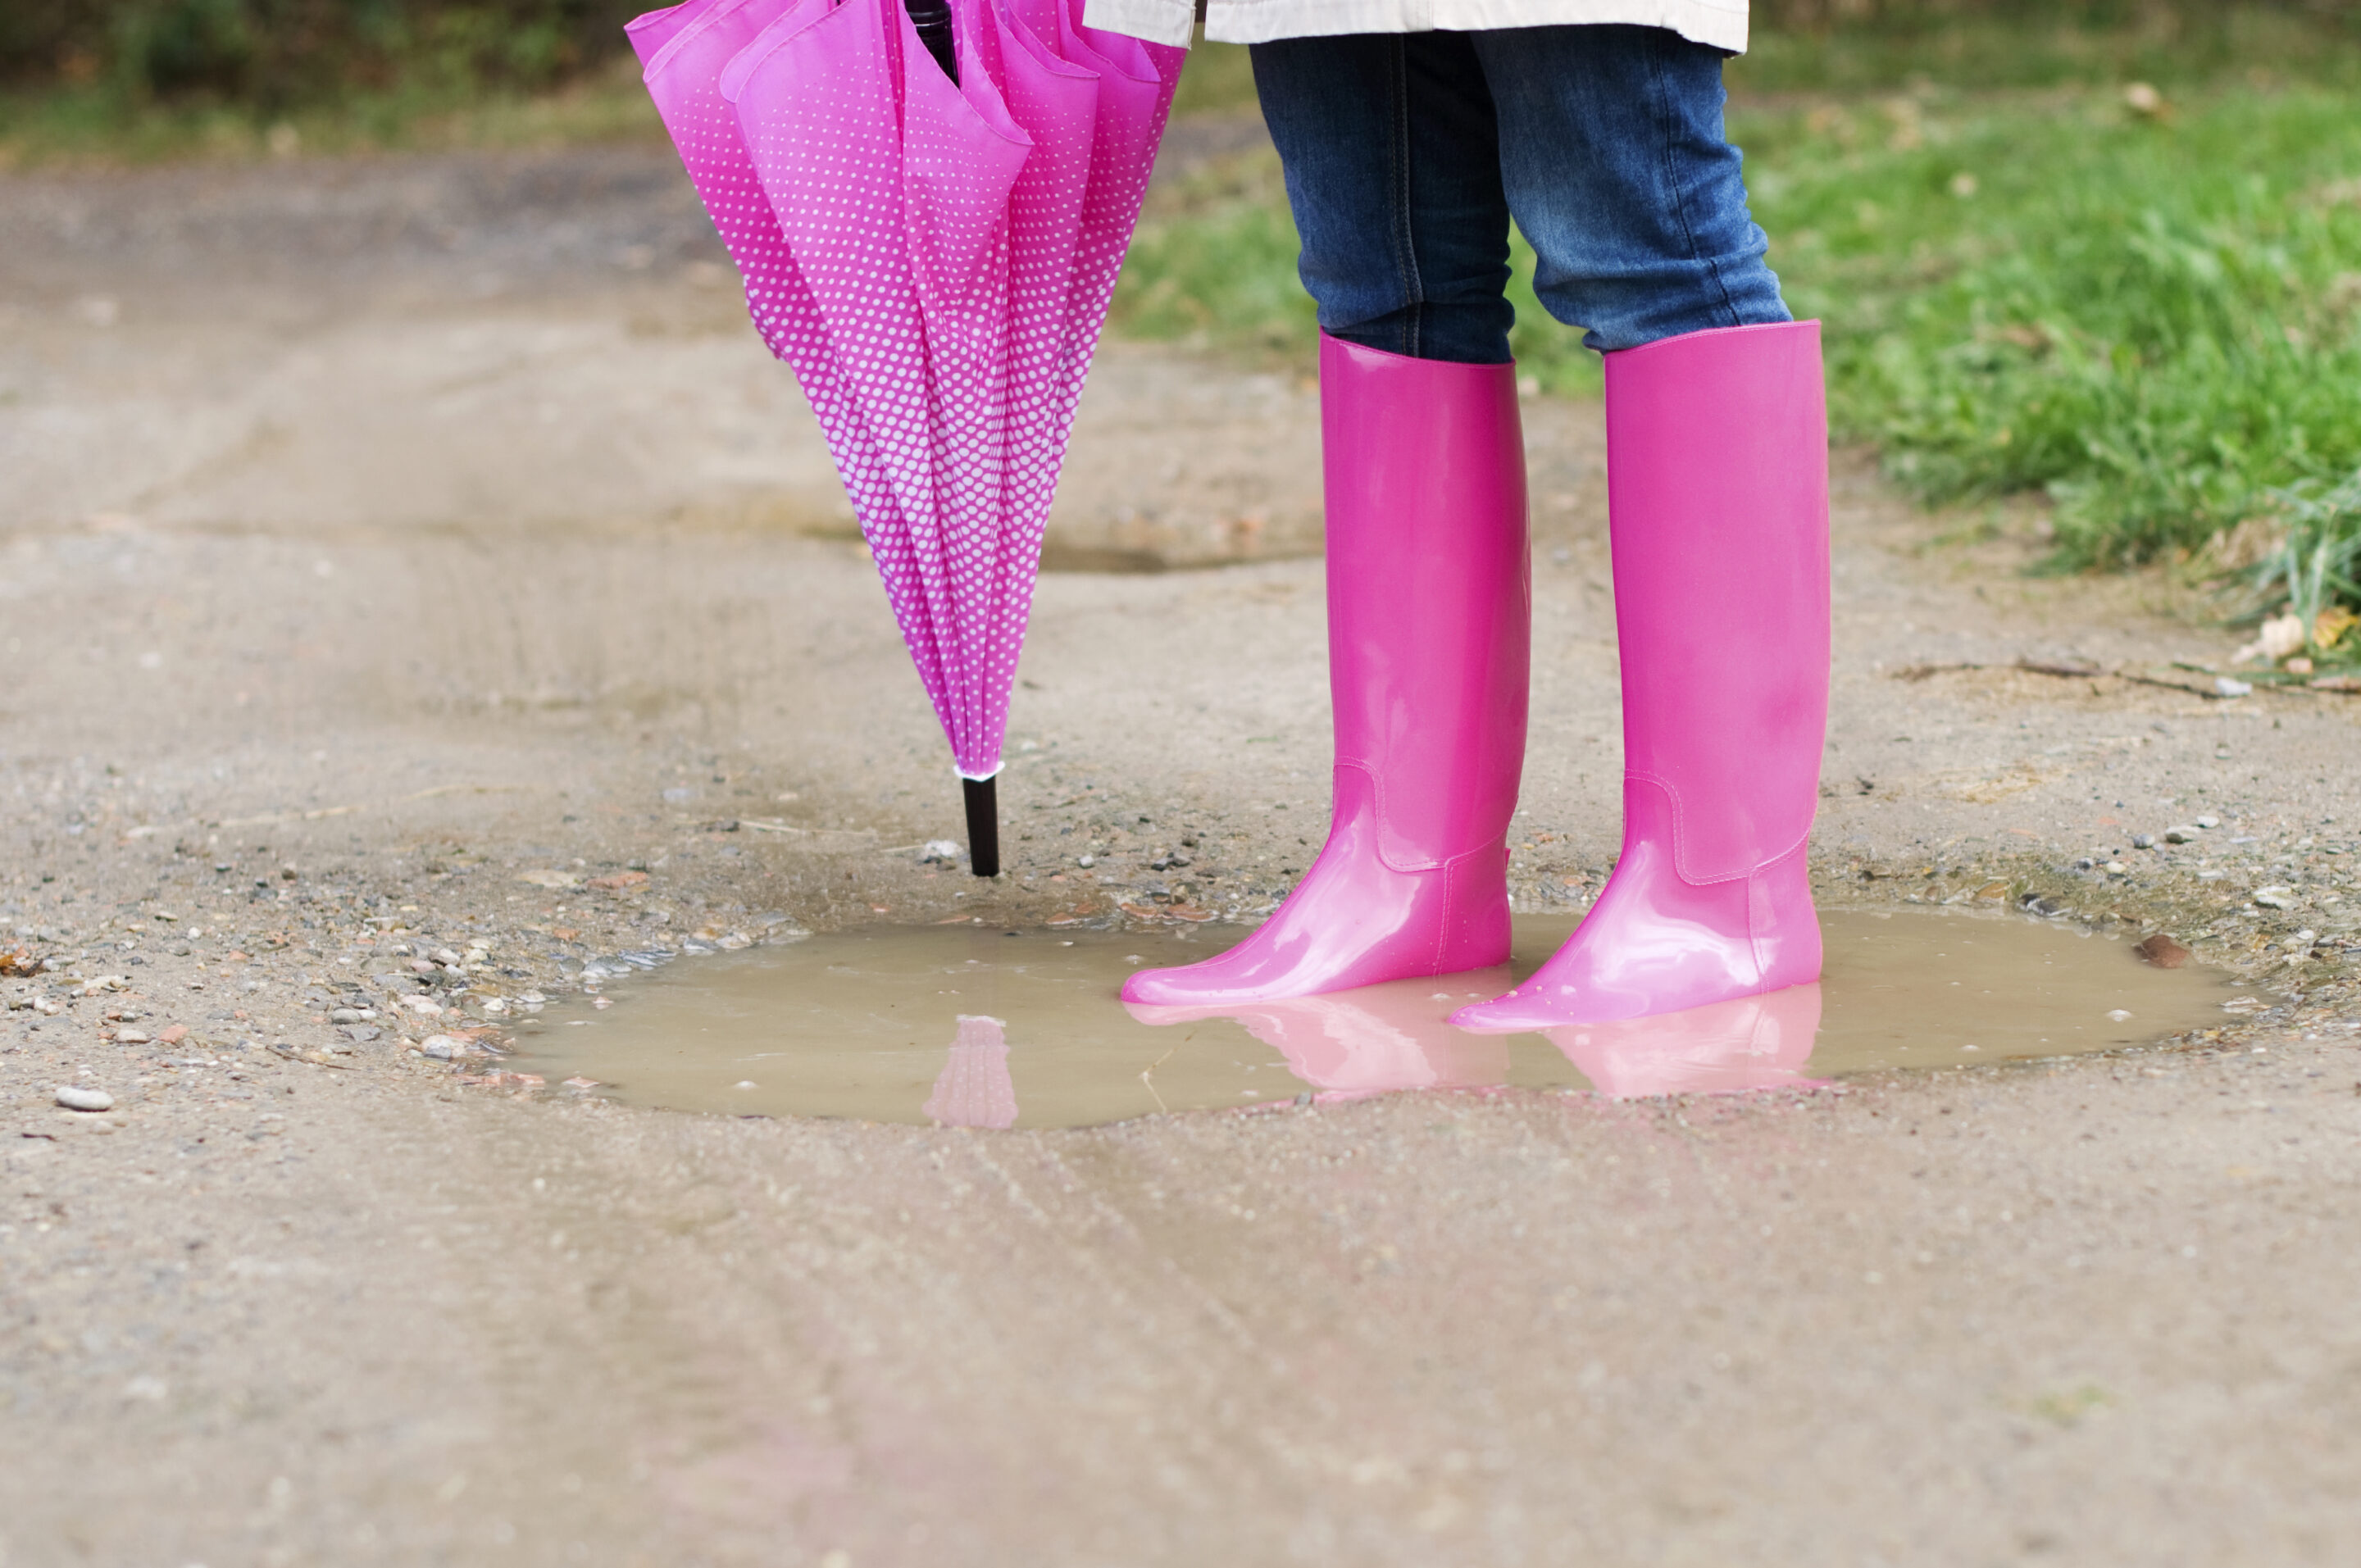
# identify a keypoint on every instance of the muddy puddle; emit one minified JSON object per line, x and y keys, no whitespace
{"x":980,"y":1026}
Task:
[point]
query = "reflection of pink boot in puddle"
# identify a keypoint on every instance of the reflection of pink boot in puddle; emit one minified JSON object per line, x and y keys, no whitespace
{"x":974,"y":1089}
{"x":1429,"y":636}
{"x":1349,"y":1045}
{"x":1752,"y":1042}
{"x":1718,"y":499}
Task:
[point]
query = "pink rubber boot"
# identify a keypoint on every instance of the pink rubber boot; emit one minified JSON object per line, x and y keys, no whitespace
{"x":1430,"y":621}
{"x":1717,"y":496}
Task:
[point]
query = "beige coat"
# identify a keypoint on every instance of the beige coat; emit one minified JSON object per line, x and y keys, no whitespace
{"x":1721,"y":22}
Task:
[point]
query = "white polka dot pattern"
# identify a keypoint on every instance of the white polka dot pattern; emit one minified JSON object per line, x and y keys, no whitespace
{"x":934,"y":262}
{"x":974,"y":1089}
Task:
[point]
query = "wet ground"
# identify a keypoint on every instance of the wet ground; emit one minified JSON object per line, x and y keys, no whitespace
{"x":418,"y":591}
{"x":989,"y":1027}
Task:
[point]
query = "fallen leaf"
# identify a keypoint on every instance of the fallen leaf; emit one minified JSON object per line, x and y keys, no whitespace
{"x":2162,"y":951}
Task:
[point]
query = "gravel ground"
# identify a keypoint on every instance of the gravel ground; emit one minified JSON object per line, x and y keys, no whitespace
{"x":418,"y":591}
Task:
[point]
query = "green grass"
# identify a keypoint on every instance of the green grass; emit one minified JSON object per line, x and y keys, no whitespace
{"x":2148,"y":313}
{"x":2154,"y":319}
{"x":100,"y":123}
{"x":2045,"y":44}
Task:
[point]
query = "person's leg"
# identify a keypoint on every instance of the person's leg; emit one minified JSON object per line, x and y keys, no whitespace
{"x":1614,"y":161}
{"x":1390,"y":166}
{"x":1393,"y":173}
{"x":1717,"y":467}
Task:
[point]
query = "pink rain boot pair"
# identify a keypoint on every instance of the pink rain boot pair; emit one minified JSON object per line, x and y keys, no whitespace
{"x":1717,"y":448}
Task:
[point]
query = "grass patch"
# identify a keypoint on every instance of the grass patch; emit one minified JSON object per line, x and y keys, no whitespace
{"x":102,"y":123}
{"x":2152,"y":315}
{"x":2143,"y":306}
{"x":2045,"y":43}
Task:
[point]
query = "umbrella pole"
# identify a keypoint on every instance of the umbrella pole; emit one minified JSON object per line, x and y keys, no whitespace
{"x":932,"y":18}
{"x":983,"y":824}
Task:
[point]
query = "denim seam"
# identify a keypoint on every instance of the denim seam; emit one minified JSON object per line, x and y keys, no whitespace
{"x":1673,"y":184}
{"x":1405,"y":240}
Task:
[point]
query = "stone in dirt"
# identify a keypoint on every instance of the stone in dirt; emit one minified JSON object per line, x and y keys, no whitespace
{"x":2162,"y":951}
{"x":73,"y":1097}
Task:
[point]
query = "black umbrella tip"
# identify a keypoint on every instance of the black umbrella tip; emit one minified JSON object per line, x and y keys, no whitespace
{"x":983,"y":824}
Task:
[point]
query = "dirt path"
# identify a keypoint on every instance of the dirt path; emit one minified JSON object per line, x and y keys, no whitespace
{"x":378,"y":537}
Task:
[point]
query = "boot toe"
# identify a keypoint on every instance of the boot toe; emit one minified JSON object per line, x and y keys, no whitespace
{"x":1163,"y":988}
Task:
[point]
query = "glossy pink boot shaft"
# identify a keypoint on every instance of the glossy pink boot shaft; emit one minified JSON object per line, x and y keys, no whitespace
{"x":1717,"y":469}
{"x":1429,"y":641}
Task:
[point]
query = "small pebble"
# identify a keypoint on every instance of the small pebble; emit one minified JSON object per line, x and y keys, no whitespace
{"x":2274,"y":897}
{"x":2181,"y":835}
{"x":2143,"y":841}
{"x":353,"y":1015}
{"x":75,"y":1098}
{"x":2209,"y":822}
{"x":443,"y":1047}
{"x":130,"y":1037}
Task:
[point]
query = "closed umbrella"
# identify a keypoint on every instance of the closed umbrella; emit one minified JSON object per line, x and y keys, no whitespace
{"x":932,"y":252}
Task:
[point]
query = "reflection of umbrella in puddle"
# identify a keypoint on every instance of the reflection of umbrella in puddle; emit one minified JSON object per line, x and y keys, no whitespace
{"x":1751,"y":1042}
{"x":933,"y":257}
{"x":1349,"y":1045}
{"x":974,"y":1089}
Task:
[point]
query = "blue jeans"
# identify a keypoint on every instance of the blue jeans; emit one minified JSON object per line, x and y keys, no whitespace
{"x":1407,"y":155}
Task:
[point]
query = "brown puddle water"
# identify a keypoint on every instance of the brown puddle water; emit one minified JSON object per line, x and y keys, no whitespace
{"x":980,"y":1026}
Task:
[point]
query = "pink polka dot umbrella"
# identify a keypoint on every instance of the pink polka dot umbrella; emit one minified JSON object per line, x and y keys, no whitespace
{"x":932,"y":254}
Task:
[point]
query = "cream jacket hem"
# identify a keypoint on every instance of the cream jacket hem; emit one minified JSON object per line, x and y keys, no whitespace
{"x":1720,"y":23}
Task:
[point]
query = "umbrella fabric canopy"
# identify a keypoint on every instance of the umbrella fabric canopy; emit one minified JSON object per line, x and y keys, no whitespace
{"x":934,"y":260}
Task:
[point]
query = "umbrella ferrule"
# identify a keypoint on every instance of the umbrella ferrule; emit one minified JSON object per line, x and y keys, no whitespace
{"x":982,"y":824}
